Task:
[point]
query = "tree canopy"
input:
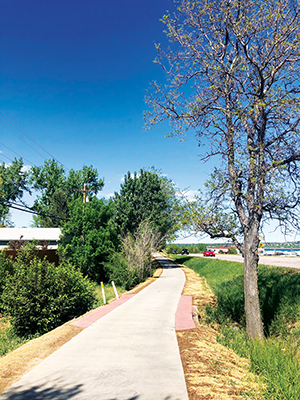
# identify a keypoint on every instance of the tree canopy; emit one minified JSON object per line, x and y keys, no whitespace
{"x":13,"y":183}
{"x":145,"y":196}
{"x":57,"y":190}
{"x":233,"y":78}
{"x":89,"y":237}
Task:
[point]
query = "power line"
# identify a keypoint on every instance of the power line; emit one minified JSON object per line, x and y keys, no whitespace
{"x":23,"y":207}
{"x":22,"y":140}
{"x":29,"y":137}
{"x":16,"y":154}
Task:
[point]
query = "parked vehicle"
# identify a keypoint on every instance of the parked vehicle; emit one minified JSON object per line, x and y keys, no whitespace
{"x":209,"y":253}
{"x":184,"y":251}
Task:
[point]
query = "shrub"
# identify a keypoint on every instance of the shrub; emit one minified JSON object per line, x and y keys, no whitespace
{"x":39,"y":296}
{"x":232,"y":250}
{"x":172,"y":247}
{"x":117,"y":270}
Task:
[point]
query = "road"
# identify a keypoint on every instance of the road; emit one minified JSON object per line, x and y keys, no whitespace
{"x":278,"y":261}
{"x":129,"y":354}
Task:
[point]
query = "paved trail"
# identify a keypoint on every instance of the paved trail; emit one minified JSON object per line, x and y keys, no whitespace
{"x":129,"y":354}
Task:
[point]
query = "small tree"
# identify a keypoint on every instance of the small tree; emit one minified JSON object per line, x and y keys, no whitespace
{"x":233,"y":77}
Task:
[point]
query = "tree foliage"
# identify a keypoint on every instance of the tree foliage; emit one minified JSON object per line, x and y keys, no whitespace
{"x":89,"y":237}
{"x":13,"y":183}
{"x":145,"y":196}
{"x":233,"y":78}
{"x":57,"y":190}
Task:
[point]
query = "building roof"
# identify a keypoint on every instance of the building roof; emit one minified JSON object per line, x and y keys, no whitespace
{"x":9,"y":234}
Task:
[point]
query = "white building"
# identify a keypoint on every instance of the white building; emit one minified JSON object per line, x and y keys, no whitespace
{"x":49,"y":235}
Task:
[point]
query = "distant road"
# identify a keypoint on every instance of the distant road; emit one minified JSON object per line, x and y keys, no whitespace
{"x":278,"y":261}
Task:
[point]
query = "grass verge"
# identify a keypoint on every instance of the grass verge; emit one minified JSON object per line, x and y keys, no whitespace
{"x":276,"y":359}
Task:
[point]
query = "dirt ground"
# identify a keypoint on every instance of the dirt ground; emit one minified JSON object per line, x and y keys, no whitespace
{"x":211,"y":370}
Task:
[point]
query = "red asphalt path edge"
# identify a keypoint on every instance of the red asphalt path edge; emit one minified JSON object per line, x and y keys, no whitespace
{"x":183,"y":316}
{"x":93,"y":316}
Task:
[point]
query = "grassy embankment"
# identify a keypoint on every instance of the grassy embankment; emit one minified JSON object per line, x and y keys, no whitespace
{"x":10,"y":341}
{"x":277,"y":359}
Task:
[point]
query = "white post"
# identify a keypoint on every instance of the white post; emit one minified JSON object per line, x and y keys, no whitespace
{"x":103,"y":293}
{"x":115,"y":290}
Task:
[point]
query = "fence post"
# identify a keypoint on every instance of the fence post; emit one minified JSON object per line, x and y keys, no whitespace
{"x":115,"y":290}
{"x":103,"y":293}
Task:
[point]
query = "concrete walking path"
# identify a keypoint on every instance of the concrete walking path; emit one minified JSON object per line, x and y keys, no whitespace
{"x":131,"y":353}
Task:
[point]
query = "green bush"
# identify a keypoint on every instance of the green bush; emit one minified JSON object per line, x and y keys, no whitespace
{"x":232,"y":250}
{"x":117,"y":270}
{"x":173,"y":247}
{"x":39,"y":296}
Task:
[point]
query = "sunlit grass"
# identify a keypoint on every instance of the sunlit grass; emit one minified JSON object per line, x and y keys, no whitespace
{"x":9,"y":341}
{"x":215,"y":271}
{"x":109,"y":293}
{"x":275,"y":359}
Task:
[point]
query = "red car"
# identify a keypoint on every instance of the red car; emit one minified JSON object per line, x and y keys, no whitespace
{"x":208,"y":253}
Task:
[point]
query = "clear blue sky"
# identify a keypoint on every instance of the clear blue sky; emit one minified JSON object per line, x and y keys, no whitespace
{"x":73,"y":75}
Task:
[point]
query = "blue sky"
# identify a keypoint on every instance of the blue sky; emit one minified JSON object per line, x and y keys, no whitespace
{"x":73,"y":75}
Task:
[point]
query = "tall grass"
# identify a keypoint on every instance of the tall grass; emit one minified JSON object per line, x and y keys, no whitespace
{"x":109,"y":293}
{"x":9,"y":340}
{"x":275,"y":359}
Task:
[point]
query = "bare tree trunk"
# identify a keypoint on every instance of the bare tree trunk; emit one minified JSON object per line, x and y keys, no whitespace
{"x":252,"y":309}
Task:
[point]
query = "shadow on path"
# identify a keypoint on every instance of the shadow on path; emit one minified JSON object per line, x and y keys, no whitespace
{"x":56,"y":393}
{"x":40,"y":393}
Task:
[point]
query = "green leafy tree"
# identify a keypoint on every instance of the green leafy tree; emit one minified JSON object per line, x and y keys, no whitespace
{"x":57,"y":189}
{"x":233,"y":79}
{"x":145,"y":196}
{"x":89,"y":237}
{"x":12,"y":186}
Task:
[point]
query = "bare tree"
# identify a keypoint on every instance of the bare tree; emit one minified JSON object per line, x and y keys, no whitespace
{"x":233,"y":78}
{"x":138,"y":248}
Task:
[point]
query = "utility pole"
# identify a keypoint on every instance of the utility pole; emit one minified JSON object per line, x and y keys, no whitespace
{"x":84,"y":191}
